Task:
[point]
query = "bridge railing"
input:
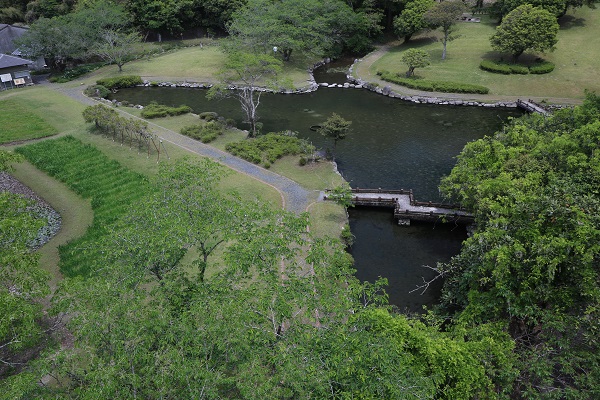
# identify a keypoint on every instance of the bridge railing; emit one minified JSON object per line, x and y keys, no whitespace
{"x":380,"y":190}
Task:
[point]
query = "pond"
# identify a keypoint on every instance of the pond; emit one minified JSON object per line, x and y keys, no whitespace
{"x":393,"y":144}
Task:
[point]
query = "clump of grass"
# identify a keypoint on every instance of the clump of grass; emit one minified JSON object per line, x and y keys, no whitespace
{"x":89,"y":173}
{"x":17,"y":123}
{"x":269,"y":148}
{"x":206,"y":133}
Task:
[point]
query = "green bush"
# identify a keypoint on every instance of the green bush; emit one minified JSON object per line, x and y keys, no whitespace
{"x":74,"y":73}
{"x":543,"y":67}
{"x":432,"y":86}
{"x":120,"y":82}
{"x":155,"y":110}
{"x":269,"y":148}
{"x":497,"y":68}
{"x":518,"y":69}
{"x":96,"y":91}
{"x":208,"y":115}
{"x":205,"y":133}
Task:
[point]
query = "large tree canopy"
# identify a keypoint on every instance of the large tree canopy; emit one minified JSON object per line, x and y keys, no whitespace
{"x":309,"y":27}
{"x":411,"y":20}
{"x":534,"y":261}
{"x":526,"y":28}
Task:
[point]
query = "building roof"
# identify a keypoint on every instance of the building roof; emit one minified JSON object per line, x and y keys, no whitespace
{"x":8,"y":33}
{"x":7,"y":61}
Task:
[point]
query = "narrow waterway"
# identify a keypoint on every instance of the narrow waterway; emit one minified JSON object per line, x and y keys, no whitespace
{"x":393,"y":144}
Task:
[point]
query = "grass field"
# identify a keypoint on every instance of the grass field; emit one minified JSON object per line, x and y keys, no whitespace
{"x":194,"y":64}
{"x":576,"y":59}
{"x":17,"y":122}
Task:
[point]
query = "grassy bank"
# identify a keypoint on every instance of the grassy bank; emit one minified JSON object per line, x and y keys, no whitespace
{"x":575,"y":58}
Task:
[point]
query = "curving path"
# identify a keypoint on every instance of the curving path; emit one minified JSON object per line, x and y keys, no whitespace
{"x":294,"y":197}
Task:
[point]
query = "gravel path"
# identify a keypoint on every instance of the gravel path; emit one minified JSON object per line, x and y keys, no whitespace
{"x":295,"y":198}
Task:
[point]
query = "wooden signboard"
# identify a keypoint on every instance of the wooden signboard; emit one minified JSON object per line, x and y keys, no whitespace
{"x":5,"y":78}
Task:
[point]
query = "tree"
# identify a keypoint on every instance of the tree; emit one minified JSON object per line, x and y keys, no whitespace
{"x":532,"y":264}
{"x":247,"y":74}
{"x":314,"y":28}
{"x":411,"y":20}
{"x":525,"y":28}
{"x":444,"y":15}
{"x":415,"y":58}
{"x":116,"y":47}
{"x":336,"y":128}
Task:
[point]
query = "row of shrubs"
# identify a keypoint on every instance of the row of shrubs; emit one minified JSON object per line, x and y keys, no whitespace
{"x":432,"y":86}
{"x":120,"y":82}
{"x":496,"y":67}
{"x":269,"y":148}
{"x":155,"y":110}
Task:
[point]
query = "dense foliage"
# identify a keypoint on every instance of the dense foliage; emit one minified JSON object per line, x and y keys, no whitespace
{"x":534,"y":262}
{"x":267,"y":149}
{"x":155,"y":110}
{"x":206,"y":132}
{"x":431,"y":85}
{"x":120,"y":81}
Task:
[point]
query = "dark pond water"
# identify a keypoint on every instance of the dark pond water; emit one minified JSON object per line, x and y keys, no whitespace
{"x":393,"y":144}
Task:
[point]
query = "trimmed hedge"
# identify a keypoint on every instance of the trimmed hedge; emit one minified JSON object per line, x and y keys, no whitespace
{"x":432,"y":86}
{"x":120,"y":82}
{"x":155,"y":110}
{"x":206,"y":133}
{"x":542,"y":67}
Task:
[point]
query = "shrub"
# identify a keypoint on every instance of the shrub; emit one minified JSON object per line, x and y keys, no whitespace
{"x":96,"y":91}
{"x":208,"y":115}
{"x":74,"y":73}
{"x":155,"y":110}
{"x":120,"y":82}
{"x":269,"y":148}
{"x":518,"y":69}
{"x":432,"y":86}
{"x":542,"y":67}
{"x":497,"y":68}
{"x":205,"y":133}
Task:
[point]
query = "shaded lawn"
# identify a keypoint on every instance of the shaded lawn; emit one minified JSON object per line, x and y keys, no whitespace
{"x":18,"y":122}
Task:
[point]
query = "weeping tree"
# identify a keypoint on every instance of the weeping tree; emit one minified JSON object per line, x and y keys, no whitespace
{"x":243,"y":77}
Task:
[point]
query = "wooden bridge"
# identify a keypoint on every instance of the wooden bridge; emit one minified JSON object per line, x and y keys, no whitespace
{"x":531,"y":107}
{"x":406,"y":208}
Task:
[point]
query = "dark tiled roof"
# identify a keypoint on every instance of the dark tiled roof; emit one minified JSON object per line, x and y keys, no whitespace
{"x":7,"y":61}
{"x":8,"y":33}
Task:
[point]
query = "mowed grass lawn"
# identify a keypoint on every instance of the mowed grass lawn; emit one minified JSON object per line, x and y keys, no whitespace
{"x":576,"y":59}
{"x":194,"y":64}
{"x":18,"y":122}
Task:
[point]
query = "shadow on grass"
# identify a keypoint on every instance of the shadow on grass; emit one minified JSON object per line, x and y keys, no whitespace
{"x":571,"y":21}
{"x":414,"y":44}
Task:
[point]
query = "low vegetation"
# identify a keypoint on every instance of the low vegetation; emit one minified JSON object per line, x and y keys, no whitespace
{"x":120,"y":82}
{"x":432,"y":85}
{"x":89,"y":173}
{"x":155,"y":110}
{"x":17,"y":123}
{"x":206,"y":132}
{"x":539,"y":67}
{"x":267,"y":149}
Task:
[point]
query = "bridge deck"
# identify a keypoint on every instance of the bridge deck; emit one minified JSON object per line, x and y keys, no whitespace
{"x":406,"y":208}
{"x":531,"y":107}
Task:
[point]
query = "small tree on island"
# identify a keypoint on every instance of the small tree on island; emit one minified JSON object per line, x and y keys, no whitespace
{"x":415,"y":58}
{"x":336,"y":128}
{"x":526,"y":28}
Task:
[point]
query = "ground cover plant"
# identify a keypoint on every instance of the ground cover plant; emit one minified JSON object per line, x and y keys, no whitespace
{"x":18,"y":122}
{"x":538,"y":67}
{"x":575,"y":58}
{"x":206,"y":132}
{"x":269,"y":148}
{"x":89,"y":173}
